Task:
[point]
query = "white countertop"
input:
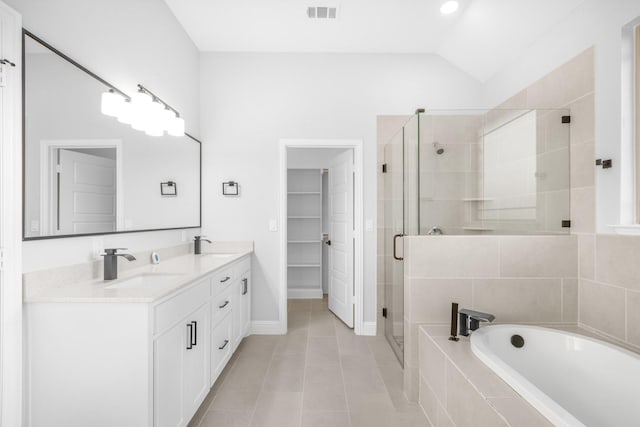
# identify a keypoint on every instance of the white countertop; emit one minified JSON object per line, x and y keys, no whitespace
{"x":188,"y":269}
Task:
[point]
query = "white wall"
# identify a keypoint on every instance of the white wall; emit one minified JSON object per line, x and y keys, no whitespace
{"x":125,"y":42}
{"x":595,"y":23}
{"x":250,"y":101}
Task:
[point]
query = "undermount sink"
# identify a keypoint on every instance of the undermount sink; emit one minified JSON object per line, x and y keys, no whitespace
{"x":145,"y":280}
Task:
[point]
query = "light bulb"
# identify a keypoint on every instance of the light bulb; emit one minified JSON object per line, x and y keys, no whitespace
{"x":167,"y":118}
{"x":126,"y":112}
{"x":154,"y":126}
{"x":176,"y":127}
{"x":111,"y":103}
{"x":140,"y":103}
{"x":449,"y":7}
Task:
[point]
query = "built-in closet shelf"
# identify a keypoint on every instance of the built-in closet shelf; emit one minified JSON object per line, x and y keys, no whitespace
{"x":304,"y":231}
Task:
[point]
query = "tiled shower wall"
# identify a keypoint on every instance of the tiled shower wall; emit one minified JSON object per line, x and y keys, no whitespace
{"x":532,"y":279}
{"x":519,"y":279}
{"x":609,"y":272}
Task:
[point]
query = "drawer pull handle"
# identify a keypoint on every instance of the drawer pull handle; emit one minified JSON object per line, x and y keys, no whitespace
{"x":225,"y":279}
{"x":226,"y":303}
{"x":245,"y":287}
{"x":189,"y":336}
{"x":194,"y":341}
{"x":224,"y":345}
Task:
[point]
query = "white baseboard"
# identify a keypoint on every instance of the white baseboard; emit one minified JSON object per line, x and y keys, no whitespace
{"x":267,"y":327}
{"x":301,"y":293}
{"x":369,"y":329}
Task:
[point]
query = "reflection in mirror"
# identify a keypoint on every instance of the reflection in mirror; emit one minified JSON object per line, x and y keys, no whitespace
{"x":87,"y":173}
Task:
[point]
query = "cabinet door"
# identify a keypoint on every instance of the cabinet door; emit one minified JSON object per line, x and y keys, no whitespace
{"x":221,"y":346}
{"x":169,"y":352}
{"x":245,"y":297}
{"x":196,"y":366}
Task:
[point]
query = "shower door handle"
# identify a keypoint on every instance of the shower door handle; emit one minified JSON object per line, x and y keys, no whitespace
{"x":395,"y":254}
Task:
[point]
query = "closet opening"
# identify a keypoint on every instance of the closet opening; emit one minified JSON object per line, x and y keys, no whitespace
{"x":321,"y":222}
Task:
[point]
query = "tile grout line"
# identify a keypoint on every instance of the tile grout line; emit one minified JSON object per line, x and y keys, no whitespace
{"x":264,"y":380}
{"x":344,"y":383}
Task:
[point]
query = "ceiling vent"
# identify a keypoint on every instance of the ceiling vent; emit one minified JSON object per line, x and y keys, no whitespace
{"x":322,"y":12}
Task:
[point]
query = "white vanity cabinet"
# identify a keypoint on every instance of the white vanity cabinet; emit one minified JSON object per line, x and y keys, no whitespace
{"x":242,"y":310}
{"x":131,"y":363}
{"x":181,"y":359}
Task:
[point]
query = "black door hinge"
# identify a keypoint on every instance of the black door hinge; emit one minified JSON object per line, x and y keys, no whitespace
{"x":384,"y":168}
{"x":566,"y":223}
{"x":384,"y":312}
{"x":606,"y":164}
{"x":566,"y":119}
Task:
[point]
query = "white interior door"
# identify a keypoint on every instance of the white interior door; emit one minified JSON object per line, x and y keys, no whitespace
{"x":86,"y":194}
{"x":341,"y":236}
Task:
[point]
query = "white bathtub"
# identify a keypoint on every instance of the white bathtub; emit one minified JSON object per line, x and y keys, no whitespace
{"x":571,"y":379}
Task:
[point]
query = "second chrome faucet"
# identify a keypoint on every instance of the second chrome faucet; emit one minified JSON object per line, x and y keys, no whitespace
{"x":197,"y":244}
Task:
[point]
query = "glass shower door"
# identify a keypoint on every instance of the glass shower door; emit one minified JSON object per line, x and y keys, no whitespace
{"x":393,"y":180}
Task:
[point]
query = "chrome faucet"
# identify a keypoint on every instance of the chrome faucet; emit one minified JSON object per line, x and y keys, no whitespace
{"x":470,"y":320}
{"x":197,"y":244}
{"x":111,"y":262}
{"x":435,"y":231}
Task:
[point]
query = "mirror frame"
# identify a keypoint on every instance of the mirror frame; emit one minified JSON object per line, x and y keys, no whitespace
{"x":27,"y":33}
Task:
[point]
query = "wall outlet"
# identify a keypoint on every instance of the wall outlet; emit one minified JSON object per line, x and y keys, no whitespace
{"x":368,"y":225}
{"x":273,"y":225}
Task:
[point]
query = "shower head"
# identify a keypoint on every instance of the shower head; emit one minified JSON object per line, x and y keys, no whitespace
{"x":439,"y":149}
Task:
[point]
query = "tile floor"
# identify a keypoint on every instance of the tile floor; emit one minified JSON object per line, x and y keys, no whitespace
{"x":319,"y":374}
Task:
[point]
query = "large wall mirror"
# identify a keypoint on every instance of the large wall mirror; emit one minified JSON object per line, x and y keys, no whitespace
{"x":85,"y":172}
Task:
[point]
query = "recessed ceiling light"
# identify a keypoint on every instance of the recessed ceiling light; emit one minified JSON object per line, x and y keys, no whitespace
{"x":449,"y":7}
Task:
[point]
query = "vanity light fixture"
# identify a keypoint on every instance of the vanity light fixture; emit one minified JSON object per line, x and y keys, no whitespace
{"x":111,"y":103}
{"x":144,"y":111}
{"x":449,"y":7}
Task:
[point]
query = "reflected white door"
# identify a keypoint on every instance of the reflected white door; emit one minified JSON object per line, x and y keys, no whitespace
{"x":86,"y":194}
{"x":341,"y":234}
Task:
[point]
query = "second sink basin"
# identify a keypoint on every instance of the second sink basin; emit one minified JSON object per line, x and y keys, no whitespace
{"x":141,"y":281}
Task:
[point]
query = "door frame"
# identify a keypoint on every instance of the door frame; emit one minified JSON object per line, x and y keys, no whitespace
{"x":11,"y":362}
{"x":358,"y":224}
{"x":48,"y":169}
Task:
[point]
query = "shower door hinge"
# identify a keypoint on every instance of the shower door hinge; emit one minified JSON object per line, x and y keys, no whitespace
{"x":566,"y":223}
{"x":384,"y":312}
{"x":566,"y":119}
{"x":384,"y":168}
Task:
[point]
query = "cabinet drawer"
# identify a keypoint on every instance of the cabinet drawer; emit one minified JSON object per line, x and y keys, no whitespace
{"x":174,"y":309}
{"x":222,"y":279}
{"x":222,"y":304}
{"x":242,"y":266}
{"x":221,"y":346}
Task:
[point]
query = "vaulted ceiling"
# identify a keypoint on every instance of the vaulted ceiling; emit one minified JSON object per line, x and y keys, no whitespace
{"x":480,"y":38}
